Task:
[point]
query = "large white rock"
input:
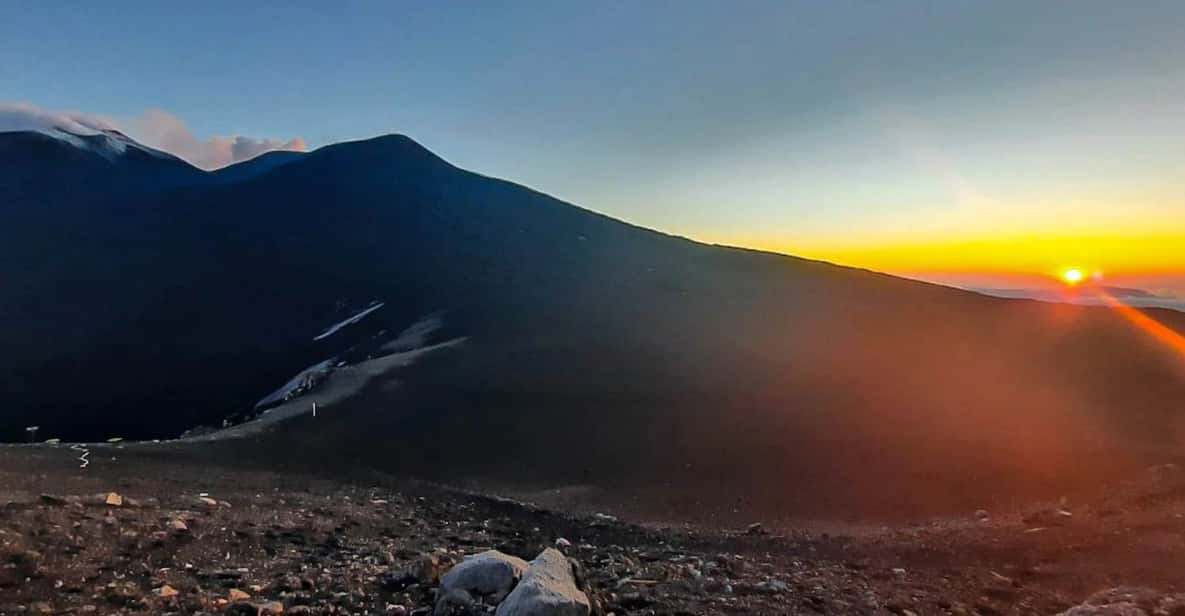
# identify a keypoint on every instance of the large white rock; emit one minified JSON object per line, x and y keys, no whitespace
{"x":488,"y":573}
{"x":547,"y":589}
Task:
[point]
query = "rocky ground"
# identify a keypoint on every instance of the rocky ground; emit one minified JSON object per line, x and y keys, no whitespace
{"x":148,"y":534}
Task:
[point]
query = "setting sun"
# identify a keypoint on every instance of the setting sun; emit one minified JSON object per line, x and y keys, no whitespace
{"x":1073,"y":276}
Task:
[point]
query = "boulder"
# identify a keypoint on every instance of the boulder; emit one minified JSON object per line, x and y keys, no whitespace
{"x":488,"y":573}
{"x":548,"y":588}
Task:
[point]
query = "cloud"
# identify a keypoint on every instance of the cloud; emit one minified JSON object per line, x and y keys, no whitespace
{"x":165,"y":131}
{"x":154,"y":128}
{"x":26,"y":116}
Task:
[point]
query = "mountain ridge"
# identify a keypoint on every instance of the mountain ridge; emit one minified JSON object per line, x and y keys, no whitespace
{"x":594,"y":348}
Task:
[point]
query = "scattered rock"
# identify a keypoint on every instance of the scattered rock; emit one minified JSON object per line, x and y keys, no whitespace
{"x":113,"y":499}
{"x":982,"y":515}
{"x":241,"y":609}
{"x":1129,"y":601}
{"x":427,"y":569}
{"x":1048,"y":517}
{"x":773,"y":587}
{"x":166,"y":592}
{"x":562,"y":543}
{"x":237,"y":595}
{"x":25,"y":558}
{"x":488,"y":573}
{"x":548,"y":588}
{"x":122,"y":593}
{"x":424,"y":570}
{"x":755,"y":529}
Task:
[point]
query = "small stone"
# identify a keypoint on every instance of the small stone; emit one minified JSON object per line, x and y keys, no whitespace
{"x":55,"y":501}
{"x":562,"y":543}
{"x":40,"y":607}
{"x":113,"y":499}
{"x":241,"y":609}
{"x":982,"y":515}
{"x":427,"y":569}
{"x":271,"y":608}
{"x":755,"y":529}
{"x":179,"y":525}
{"x":773,"y":587}
{"x":166,"y":592}
{"x":207,"y":501}
{"x":287,"y":583}
{"x":122,"y":593}
{"x":455,"y":602}
{"x":25,"y":558}
{"x":237,"y":595}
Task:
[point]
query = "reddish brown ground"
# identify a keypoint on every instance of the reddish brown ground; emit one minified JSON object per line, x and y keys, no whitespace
{"x":334,"y":545}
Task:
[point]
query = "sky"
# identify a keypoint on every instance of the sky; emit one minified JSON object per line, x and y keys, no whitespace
{"x":987,"y":145}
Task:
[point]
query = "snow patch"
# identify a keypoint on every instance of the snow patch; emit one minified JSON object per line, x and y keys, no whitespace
{"x":333,"y":329}
{"x":301,"y":380}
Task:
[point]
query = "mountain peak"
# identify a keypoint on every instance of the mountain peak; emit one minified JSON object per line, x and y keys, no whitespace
{"x":109,"y":144}
{"x":394,"y":147}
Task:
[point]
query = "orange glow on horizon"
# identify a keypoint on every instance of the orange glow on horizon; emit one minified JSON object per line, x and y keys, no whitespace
{"x":1020,"y":256}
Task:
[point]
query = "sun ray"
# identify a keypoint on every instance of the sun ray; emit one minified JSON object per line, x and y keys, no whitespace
{"x":1157,"y":330}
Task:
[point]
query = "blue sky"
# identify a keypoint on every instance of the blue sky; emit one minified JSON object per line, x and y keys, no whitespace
{"x":832,"y":129}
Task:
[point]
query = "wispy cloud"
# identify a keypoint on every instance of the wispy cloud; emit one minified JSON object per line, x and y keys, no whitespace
{"x":155,"y":128}
{"x":26,"y":116}
{"x":165,"y":131}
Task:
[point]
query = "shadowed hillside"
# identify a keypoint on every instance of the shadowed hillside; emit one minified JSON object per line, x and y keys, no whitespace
{"x":163,"y":297}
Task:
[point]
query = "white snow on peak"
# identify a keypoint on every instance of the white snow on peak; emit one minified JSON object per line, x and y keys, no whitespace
{"x":83,"y":131}
{"x":333,"y":329}
{"x":107,"y":143}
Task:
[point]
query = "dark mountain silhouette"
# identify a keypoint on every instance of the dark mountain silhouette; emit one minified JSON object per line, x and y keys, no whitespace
{"x":147,"y":296}
{"x":255,"y":166}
